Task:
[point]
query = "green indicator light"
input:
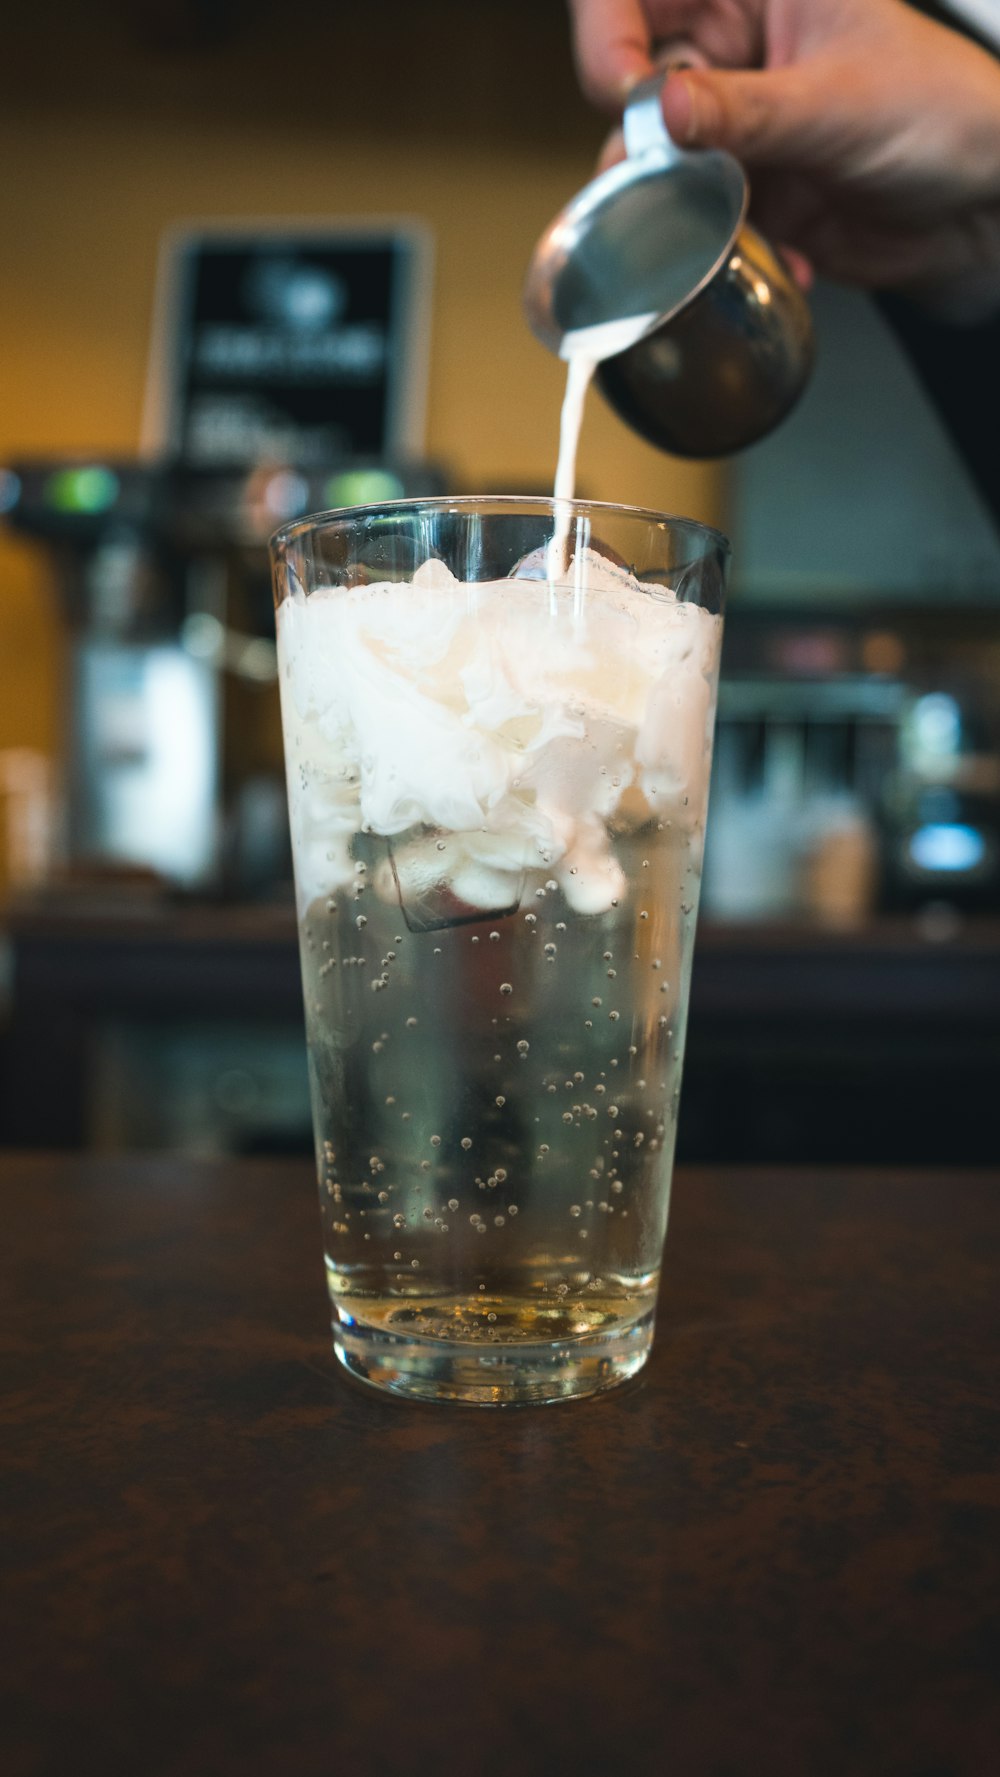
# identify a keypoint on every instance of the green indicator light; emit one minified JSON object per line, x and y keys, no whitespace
{"x":89,"y":489}
{"x":362,"y":487}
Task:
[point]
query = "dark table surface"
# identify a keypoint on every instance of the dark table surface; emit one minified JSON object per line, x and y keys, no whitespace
{"x":776,"y":1552}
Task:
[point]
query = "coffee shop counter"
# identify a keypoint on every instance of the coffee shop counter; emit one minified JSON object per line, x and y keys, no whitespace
{"x":876,"y":1045}
{"x":776,"y":1550}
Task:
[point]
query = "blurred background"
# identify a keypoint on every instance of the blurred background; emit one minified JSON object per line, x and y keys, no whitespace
{"x":254,"y":262}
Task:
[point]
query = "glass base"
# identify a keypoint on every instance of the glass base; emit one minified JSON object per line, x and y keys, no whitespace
{"x":476,"y":1375}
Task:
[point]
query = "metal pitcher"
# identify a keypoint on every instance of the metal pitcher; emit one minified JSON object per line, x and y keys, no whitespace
{"x":705,"y":341}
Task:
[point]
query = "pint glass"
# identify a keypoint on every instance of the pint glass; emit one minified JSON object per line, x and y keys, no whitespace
{"x":498,"y":724}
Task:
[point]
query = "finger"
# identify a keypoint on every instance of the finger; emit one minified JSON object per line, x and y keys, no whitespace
{"x":611,"y":41}
{"x":786,"y":205}
{"x":799,"y":265}
{"x":767,"y":117}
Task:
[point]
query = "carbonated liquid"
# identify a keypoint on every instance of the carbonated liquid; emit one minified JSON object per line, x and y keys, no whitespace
{"x":497,"y":797}
{"x":495,"y":1101}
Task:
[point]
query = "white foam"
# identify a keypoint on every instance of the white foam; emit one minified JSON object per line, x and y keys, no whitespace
{"x":509,"y":717}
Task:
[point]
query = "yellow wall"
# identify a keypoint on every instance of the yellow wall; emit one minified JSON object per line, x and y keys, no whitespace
{"x":104,"y":154}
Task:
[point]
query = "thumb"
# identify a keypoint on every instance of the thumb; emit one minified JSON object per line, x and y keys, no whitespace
{"x":767,"y":117}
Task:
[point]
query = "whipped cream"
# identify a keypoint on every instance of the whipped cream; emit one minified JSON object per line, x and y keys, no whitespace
{"x":492,"y":731}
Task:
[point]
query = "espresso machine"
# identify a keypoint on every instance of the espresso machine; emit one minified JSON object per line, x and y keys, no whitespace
{"x":286,"y":375}
{"x":172,"y":758}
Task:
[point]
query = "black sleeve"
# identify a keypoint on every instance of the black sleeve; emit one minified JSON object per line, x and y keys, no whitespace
{"x":960,"y":369}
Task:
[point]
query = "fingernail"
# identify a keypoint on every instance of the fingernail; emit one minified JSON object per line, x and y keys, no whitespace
{"x":631,"y":78}
{"x":627,"y":81}
{"x":679,"y":109}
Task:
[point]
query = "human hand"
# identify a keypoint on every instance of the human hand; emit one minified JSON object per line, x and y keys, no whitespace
{"x":872,"y":134}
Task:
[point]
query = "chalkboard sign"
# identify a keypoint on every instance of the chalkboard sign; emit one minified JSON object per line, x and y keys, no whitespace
{"x":303,"y":345}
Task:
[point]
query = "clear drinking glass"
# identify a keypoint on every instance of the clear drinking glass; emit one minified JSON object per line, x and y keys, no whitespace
{"x":498,"y":723}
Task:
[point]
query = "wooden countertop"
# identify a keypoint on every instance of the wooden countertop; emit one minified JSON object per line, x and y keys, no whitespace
{"x":776,"y":1552}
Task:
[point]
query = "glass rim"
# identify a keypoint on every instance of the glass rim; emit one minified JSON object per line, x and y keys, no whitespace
{"x":458,"y":503}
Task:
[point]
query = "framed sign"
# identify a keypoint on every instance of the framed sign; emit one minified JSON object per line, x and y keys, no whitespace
{"x":299,"y":343}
